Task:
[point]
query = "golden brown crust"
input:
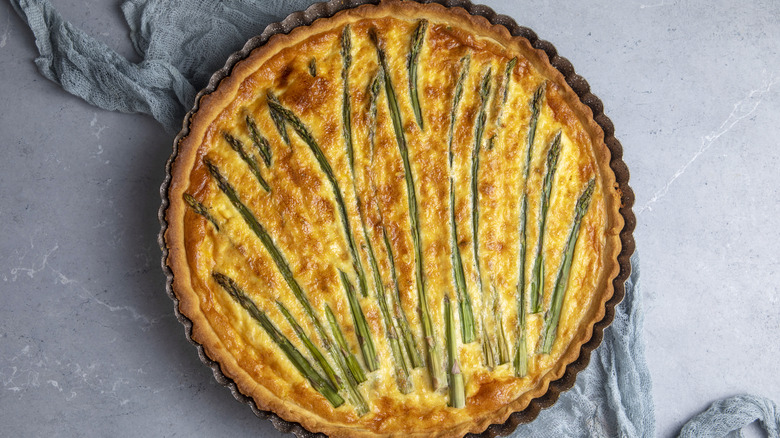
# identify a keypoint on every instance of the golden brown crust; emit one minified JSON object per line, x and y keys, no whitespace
{"x":186,"y":229}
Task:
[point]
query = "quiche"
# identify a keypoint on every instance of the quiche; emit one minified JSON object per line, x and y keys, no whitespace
{"x":397,"y":221}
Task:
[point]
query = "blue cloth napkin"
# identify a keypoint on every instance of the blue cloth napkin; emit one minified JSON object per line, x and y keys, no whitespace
{"x":182,"y":42}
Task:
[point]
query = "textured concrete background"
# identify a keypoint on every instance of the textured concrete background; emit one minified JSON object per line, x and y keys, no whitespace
{"x":88,"y":341}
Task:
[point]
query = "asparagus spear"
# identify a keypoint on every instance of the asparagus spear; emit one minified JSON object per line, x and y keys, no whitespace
{"x":536,"y":108}
{"x":507,"y":76}
{"x":346,"y":113}
{"x":319,"y":383}
{"x":275,"y":253}
{"x":501,"y":345}
{"x":346,"y":55}
{"x":507,"y":80}
{"x":400,"y":316}
{"x":374,"y":90}
{"x":553,"y":315}
{"x":347,"y":361}
{"x":504,"y":91}
{"x":414,"y":58}
{"x":537,"y":274}
{"x":259,"y":141}
{"x":488,"y":356}
{"x":200,"y":209}
{"x":456,"y":383}
{"x":484,"y":92}
{"x":365,"y":340}
{"x":238,"y":146}
{"x":465,"y":64}
{"x":401,"y":371}
{"x":352,"y":364}
{"x":322,"y":160}
{"x":479,"y":129}
{"x":467,"y":329}
{"x":313,"y":350}
{"x":280,"y":124}
{"x":521,"y":350}
{"x":434,"y":354}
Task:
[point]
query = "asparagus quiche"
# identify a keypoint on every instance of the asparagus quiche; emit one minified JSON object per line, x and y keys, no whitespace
{"x":399,"y":220}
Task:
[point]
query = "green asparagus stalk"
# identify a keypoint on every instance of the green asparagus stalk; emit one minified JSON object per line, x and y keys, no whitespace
{"x":280,"y":124}
{"x":484,"y":92}
{"x":352,"y":364}
{"x":313,"y":350}
{"x":504,"y":91}
{"x":521,"y":350}
{"x":467,"y":326}
{"x":374,"y":89}
{"x":479,"y":129}
{"x":200,"y":209}
{"x":507,"y":80}
{"x":488,"y":354}
{"x":363,"y":332}
{"x":322,"y":160}
{"x":414,"y":58}
{"x":501,"y":345}
{"x":410,"y":345}
{"x":508,"y":76}
{"x":401,"y":370}
{"x":238,"y":146}
{"x":259,"y":141}
{"x":347,"y":361}
{"x":275,"y":253}
{"x":537,"y":274}
{"x":434,"y":353}
{"x":553,"y":315}
{"x":536,"y":108}
{"x":465,"y":64}
{"x":456,"y":383}
{"x":346,"y":113}
{"x":319,"y":383}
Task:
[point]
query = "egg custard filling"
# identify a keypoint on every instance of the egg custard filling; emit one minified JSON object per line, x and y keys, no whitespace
{"x":399,"y":220}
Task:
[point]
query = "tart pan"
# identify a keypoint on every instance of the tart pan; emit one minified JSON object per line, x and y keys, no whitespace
{"x":576,"y":82}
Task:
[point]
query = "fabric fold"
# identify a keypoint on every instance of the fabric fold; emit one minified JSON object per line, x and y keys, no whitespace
{"x":733,"y":414}
{"x":93,"y":71}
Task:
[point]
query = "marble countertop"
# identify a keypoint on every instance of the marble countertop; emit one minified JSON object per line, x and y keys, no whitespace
{"x":89,"y":344}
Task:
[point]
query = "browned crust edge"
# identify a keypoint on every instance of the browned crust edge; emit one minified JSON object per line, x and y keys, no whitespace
{"x":482,"y":20}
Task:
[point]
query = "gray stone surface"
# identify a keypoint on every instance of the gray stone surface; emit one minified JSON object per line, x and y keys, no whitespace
{"x":88,"y":341}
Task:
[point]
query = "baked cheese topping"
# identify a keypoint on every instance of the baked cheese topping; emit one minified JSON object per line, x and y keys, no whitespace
{"x":399,"y":220}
